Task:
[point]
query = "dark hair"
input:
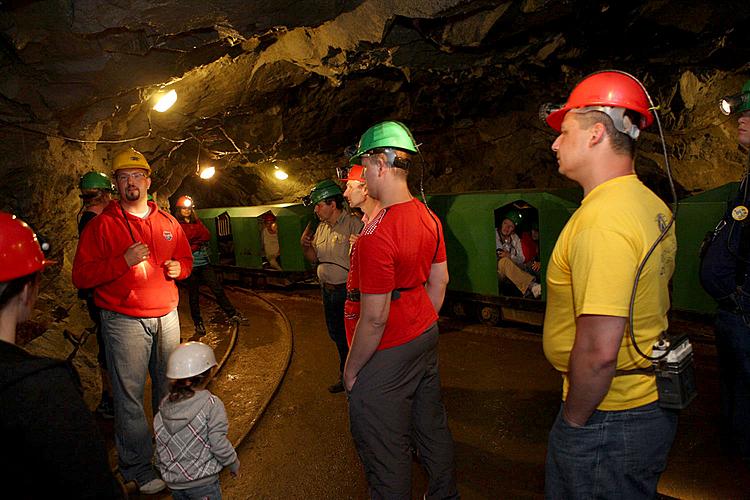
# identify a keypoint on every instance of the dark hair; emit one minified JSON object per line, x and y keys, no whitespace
{"x":338,"y":199}
{"x":184,"y":388}
{"x":15,"y":286}
{"x":621,"y":142}
{"x":192,"y":218}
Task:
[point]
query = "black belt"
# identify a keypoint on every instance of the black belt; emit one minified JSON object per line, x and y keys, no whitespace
{"x":636,"y":371}
{"x":354,"y":295}
{"x":331,"y":287}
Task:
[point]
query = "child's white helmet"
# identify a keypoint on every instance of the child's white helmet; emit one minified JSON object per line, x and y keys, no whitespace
{"x":190,"y":359}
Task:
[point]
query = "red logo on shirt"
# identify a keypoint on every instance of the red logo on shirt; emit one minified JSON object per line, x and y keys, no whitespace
{"x":168,"y":235}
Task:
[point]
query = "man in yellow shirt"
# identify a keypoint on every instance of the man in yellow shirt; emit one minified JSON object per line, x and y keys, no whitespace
{"x":610,"y":439}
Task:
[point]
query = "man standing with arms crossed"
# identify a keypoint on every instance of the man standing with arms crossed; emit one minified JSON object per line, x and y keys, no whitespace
{"x":131,"y":256}
{"x":391,"y":374}
{"x":611,"y":438}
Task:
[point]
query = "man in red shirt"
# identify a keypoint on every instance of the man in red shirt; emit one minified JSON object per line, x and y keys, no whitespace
{"x":131,"y":255}
{"x":391,"y":373}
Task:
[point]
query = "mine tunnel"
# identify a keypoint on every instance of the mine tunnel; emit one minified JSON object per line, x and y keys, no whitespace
{"x":247,"y":107}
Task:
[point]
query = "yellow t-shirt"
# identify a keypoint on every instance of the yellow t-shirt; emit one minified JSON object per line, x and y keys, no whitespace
{"x":592,"y":270}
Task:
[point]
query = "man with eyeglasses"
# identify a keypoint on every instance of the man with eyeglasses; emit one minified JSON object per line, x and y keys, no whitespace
{"x":131,"y":255}
{"x":400,"y":271}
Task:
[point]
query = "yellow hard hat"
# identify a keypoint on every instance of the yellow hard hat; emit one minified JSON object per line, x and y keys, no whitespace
{"x":130,"y":158}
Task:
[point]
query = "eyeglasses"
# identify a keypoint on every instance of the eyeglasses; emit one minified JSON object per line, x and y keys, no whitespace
{"x":136,"y":176}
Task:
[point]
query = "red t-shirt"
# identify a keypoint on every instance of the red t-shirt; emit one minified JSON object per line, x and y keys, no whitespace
{"x":395,"y":251}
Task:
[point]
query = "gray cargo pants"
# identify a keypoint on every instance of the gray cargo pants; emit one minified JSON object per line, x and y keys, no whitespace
{"x":395,"y":401}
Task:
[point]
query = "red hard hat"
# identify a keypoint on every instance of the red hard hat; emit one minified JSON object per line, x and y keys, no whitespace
{"x":184,"y":202}
{"x":356,"y":173}
{"x":267,"y":216}
{"x":20,"y":252}
{"x":606,"y":88}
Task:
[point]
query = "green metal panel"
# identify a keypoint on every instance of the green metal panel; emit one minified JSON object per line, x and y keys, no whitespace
{"x":696,"y":216}
{"x":469,"y":225}
{"x":292,"y":221}
{"x":246,"y":233}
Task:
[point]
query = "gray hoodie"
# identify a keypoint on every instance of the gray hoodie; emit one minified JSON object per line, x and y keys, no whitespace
{"x":191,"y":441}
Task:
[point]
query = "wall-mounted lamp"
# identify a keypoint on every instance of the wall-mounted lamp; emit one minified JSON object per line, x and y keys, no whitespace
{"x":280,"y":174}
{"x":165,"y":101}
{"x":207,"y":172}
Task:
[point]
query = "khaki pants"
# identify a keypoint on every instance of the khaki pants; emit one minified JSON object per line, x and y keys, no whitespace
{"x":507,"y":269}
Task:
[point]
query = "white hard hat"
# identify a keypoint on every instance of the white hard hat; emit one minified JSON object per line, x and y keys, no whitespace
{"x":190,"y":359}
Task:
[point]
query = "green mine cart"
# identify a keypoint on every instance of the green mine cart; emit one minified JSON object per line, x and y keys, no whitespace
{"x":469,"y":221}
{"x":236,"y":242}
{"x":696,"y":216}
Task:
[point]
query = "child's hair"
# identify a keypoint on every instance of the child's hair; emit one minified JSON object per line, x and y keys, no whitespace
{"x":184,"y":388}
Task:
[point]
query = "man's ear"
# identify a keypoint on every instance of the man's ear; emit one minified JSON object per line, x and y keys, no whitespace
{"x":597,"y":131}
{"x":27,"y":293}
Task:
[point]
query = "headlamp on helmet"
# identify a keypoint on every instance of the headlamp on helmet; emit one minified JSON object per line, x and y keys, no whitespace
{"x":184,"y":202}
{"x":737,"y":103}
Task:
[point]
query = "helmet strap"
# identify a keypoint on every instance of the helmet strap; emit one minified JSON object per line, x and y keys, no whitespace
{"x":620,"y":120}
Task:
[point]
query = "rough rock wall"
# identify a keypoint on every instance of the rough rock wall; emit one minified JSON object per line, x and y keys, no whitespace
{"x":287,"y":84}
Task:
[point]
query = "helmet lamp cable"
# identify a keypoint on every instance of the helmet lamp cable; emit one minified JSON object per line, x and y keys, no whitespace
{"x":664,"y":231}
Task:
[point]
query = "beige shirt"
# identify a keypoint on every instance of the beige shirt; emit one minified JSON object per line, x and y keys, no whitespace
{"x":331,"y":244}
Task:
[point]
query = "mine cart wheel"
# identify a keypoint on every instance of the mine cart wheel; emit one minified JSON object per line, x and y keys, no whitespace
{"x":489,"y":314}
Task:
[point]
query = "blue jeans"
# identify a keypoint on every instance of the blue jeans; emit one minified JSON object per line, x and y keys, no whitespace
{"x":333,"y":306}
{"x":617,"y":454}
{"x":137,"y":347}
{"x":733,"y":348}
{"x":211,"y":491}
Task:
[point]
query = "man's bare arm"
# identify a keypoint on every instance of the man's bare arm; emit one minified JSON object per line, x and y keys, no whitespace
{"x":373,"y":316}
{"x":592,"y":365}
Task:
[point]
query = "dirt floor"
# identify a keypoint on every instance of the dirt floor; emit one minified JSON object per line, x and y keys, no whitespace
{"x":500,"y":393}
{"x":501,"y":396}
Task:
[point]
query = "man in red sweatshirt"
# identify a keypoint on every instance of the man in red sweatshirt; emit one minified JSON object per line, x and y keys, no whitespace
{"x":131,"y":255}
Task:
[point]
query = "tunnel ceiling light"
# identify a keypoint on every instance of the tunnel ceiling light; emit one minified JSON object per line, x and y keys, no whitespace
{"x":280,"y":174}
{"x":207,"y":172}
{"x":166,"y":101}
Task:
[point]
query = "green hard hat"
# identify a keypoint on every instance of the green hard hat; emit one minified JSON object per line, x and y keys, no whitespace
{"x":514,"y":216}
{"x":388,"y":134}
{"x":95,"y":180}
{"x":745,"y":102}
{"x":321,"y":191}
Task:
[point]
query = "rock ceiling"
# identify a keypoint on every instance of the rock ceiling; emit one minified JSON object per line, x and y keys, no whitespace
{"x":291,"y":83}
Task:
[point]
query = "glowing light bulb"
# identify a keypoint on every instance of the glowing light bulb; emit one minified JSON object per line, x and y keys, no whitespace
{"x":165,"y":102}
{"x":280,"y":174}
{"x":207,"y":172}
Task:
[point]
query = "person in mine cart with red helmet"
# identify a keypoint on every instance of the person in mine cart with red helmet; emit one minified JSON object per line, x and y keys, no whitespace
{"x":51,"y":444}
{"x":611,"y":438}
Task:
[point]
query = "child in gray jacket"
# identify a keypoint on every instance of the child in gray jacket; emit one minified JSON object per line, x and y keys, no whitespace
{"x":191,"y":427}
